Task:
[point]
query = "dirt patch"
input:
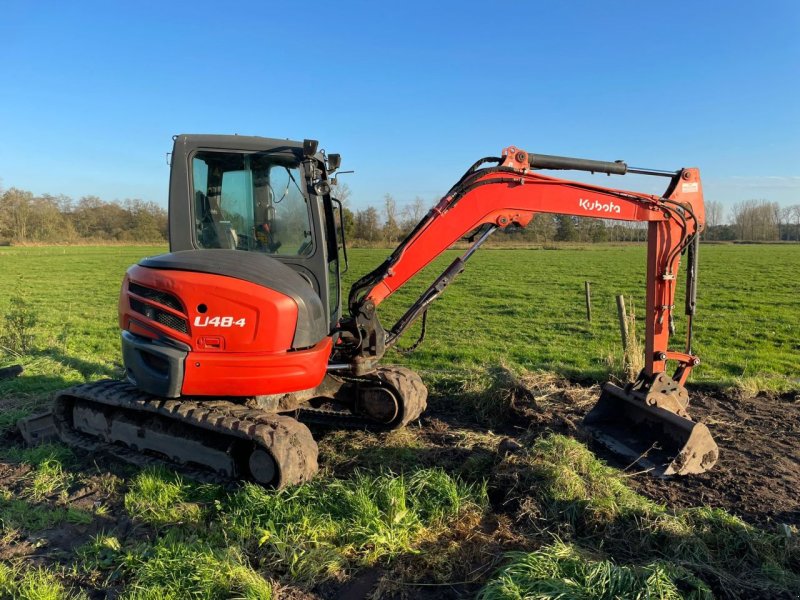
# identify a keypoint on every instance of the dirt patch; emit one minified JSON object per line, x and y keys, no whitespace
{"x":756,"y":478}
{"x":758,"y":473}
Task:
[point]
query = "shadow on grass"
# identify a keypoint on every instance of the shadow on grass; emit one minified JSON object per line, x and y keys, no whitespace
{"x":87,"y":368}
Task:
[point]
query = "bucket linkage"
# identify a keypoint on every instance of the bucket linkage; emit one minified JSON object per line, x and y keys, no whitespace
{"x":648,"y":423}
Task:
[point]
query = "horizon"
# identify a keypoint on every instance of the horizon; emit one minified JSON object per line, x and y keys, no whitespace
{"x":410,"y":103}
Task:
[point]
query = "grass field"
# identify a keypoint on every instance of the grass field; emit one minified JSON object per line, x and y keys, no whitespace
{"x":450,"y":507}
{"x":521,"y":307}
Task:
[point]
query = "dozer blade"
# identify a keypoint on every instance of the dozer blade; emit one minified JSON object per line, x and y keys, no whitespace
{"x":656,"y":438}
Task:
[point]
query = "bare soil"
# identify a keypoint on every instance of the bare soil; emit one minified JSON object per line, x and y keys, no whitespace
{"x":758,"y":473}
{"x":757,"y":476}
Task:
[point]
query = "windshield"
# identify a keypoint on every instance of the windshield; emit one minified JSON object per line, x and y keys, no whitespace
{"x":251,"y":202}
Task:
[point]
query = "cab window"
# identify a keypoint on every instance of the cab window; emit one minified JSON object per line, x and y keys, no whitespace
{"x":252,"y":202}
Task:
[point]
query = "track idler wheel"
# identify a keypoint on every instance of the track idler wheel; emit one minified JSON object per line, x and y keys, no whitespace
{"x":397,"y":398}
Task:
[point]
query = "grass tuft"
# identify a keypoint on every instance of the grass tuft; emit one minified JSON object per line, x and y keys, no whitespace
{"x":33,"y":584}
{"x":9,"y":418}
{"x":493,"y":394}
{"x":175,"y":567}
{"x":312,"y":532}
{"x":561,"y":571}
{"x":48,"y":479}
{"x":36,"y":455}
{"x":560,"y":484}
{"x":160,"y":497}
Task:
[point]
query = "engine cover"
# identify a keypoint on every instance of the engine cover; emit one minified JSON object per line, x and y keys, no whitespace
{"x":247,"y":324}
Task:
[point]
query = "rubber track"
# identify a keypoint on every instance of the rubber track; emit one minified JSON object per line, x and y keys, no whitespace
{"x":289,"y":442}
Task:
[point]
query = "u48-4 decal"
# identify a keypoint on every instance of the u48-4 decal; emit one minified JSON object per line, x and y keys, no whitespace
{"x":218,"y":322}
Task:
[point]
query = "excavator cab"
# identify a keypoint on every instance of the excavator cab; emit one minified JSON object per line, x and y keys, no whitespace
{"x":258,"y":195}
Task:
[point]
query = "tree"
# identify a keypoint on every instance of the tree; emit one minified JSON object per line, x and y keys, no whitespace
{"x":791,"y":217}
{"x":412,"y":214}
{"x":565,"y":229}
{"x":341,"y":191}
{"x":147,"y":221}
{"x":542,"y":228}
{"x":16,"y":205}
{"x":367,"y":224}
{"x":756,"y":220}
{"x":391,"y":228}
{"x":714,"y":217}
{"x":590,"y":230}
{"x":349,"y":223}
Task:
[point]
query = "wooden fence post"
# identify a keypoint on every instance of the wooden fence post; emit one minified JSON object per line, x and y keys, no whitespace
{"x":623,"y":321}
{"x":588,"y":287}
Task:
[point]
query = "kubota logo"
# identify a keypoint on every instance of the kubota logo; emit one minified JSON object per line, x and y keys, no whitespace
{"x":598,"y":206}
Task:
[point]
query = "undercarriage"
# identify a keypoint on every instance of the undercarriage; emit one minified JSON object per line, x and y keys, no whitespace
{"x":263,"y":439}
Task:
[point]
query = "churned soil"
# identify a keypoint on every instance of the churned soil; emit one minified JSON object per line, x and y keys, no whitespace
{"x":757,"y":476}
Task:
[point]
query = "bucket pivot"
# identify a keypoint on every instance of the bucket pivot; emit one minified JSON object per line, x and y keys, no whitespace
{"x":653,"y":428}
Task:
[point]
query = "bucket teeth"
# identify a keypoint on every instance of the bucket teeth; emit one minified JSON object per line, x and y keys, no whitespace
{"x":667,"y":442}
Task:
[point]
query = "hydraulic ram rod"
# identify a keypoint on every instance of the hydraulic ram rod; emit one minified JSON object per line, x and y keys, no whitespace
{"x":547,"y":161}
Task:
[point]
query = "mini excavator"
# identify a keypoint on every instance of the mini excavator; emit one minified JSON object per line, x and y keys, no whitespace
{"x":236,"y":340}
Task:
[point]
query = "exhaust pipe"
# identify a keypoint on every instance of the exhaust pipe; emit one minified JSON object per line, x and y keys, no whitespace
{"x":659,"y":439}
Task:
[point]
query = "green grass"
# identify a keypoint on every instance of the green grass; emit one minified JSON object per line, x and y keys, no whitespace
{"x":20,"y":516}
{"x":36,"y":583}
{"x":159,"y":497}
{"x":39,"y":505}
{"x":526,"y":308}
{"x":310,"y":532}
{"x":519,"y":306}
{"x":563,"y":489}
{"x":73,"y":292}
{"x":561,"y":572}
{"x":179,"y":566}
{"x":378,"y":501}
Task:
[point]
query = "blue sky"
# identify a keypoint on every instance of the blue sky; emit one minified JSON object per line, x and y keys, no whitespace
{"x":410,"y":93}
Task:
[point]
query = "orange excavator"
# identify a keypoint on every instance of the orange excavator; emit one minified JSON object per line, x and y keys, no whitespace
{"x":236,"y":340}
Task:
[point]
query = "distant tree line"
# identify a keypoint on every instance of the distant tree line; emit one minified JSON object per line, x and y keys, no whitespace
{"x":752,"y":220}
{"x":27,"y":218}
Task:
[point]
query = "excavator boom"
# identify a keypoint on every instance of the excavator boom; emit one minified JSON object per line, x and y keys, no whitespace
{"x":512,"y":193}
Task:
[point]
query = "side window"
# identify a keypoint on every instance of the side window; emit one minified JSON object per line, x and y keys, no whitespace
{"x":289,"y":227}
{"x":333,"y":261}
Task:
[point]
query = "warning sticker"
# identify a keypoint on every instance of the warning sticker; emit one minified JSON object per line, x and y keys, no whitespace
{"x":687,"y":188}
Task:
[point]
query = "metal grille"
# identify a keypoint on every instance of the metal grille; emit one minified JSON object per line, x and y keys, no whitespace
{"x":160,"y":316}
{"x":155,"y":295}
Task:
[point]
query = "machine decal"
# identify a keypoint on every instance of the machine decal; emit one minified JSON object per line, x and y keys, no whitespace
{"x":218,"y":322}
{"x":598,"y":206}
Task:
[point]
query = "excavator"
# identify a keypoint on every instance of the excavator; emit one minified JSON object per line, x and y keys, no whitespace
{"x":238,"y":339}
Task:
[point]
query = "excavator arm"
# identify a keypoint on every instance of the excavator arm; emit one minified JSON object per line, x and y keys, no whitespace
{"x":512,"y":192}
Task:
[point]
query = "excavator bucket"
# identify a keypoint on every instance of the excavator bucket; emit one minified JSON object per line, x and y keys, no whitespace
{"x":658,"y":439}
